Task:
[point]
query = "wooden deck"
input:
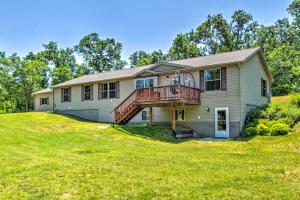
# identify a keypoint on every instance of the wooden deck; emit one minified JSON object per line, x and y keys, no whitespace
{"x":167,"y":96}
{"x":171,"y":95}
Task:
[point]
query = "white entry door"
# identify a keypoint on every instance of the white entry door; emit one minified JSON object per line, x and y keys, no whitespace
{"x":222,"y":122}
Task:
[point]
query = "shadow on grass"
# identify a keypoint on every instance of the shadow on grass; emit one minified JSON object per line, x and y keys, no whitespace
{"x":75,"y":118}
{"x":157,"y":132}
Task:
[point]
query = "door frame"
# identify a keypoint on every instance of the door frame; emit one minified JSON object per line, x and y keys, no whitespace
{"x":226,"y":133}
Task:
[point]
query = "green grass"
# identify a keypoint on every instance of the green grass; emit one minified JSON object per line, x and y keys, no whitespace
{"x":50,"y":156}
{"x":281,"y":99}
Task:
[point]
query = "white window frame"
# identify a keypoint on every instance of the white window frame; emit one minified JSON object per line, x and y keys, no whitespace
{"x":68,"y":95}
{"x":212,"y":80}
{"x":144,"y":82}
{"x":108,"y":90}
{"x":90,"y":92}
{"x":46,"y":99}
{"x":147,"y":115}
{"x":180,"y":118}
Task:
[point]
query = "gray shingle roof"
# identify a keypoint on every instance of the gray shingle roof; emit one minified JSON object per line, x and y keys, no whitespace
{"x":47,"y":90}
{"x":217,"y":59}
{"x":202,"y":61}
{"x":118,"y":74}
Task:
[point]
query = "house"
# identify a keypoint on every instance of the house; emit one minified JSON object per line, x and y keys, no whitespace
{"x":209,"y":94}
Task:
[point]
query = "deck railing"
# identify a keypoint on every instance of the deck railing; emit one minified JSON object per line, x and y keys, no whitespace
{"x":158,"y":94}
{"x":170,"y":92}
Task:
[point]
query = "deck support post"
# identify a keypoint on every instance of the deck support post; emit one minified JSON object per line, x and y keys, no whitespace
{"x":150,"y":117}
{"x":173,"y":118}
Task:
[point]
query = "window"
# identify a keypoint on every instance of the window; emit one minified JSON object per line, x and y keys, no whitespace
{"x":144,"y":83}
{"x":66,"y":94}
{"x":179,"y":115}
{"x":109,"y":90}
{"x":88,"y":92}
{"x":104,"y":90}
{"x":145,"y":115}
{"x":176,"y":80}
{"x":112,"y":90}
{"x":212,"y":79}
{"x":263,"y":88}
{"x":44,"y":101}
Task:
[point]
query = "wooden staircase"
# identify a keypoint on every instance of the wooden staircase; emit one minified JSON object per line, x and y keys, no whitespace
{"x":127,"y":109}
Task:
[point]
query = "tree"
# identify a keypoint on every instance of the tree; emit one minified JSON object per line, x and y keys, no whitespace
{"x":6,"y":84}
{"x":284,"y":63}
{"x":62,"y":60}
{"x":45,"y":72}
{"x":100,"y":54}
{"x":139,"y":58}
{"x":182,"y":47}
{"x":28,"y":78}
{"x":243,"y":29}
{"x":294,"y":10}
{"x":214,"y":35}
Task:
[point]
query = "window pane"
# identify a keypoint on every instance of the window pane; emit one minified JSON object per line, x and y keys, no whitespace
{"x":179,"y":115}
{"x":66,"y":91}
{"x":140,"y":84}
{"x":144,"y":115}
{"x":176,"y":80}
{"x":148,"y":83}
{"x":87,"y":88}
{"x":212,"y":74}
{"x":87,"y":96}
{"x":104,"y":86}
{"x":112,"y":86}
{"x":104,"y":90}
{"x":104,"y":95}
{"x":112,"y":94}
{"x":66,"y":98}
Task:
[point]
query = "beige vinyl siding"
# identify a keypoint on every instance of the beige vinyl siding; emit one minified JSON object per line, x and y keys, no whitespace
{"x":105,"y":106}
{"x":209,"y":99}
{"x":212,"y":99}
{"x":251,"y":73}
{"x":43,"y":108}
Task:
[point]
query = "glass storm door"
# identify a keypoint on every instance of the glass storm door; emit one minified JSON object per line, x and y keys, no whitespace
{"x":222,"y":122}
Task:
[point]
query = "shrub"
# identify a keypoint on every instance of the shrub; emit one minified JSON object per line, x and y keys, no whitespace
{"x":250,"y":131}
{"x":295,"y":99}
{"x":285,"y":120}
{"x":291,"y":112}
{"x":262,"y":128}
{"x":271,"y":111}
{"x":279,"y":129}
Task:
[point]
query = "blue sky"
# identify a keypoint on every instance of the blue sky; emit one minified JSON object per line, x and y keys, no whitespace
{"x":138,"y":25}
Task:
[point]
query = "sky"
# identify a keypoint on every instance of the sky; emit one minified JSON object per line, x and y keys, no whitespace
{"x":138,"y":25}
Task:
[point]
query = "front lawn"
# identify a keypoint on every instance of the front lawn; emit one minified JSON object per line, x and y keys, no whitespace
{"x":50,"y":156}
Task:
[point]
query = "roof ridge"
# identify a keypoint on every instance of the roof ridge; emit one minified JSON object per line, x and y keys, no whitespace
{"x":216,"y":54}
{"x":106,"y":72}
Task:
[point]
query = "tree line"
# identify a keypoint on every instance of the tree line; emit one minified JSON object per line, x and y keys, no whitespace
{"x":21,"y":76}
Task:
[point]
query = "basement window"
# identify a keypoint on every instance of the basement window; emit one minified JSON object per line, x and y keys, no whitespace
{"x":145,"y":115}
{"x":179,"y":115}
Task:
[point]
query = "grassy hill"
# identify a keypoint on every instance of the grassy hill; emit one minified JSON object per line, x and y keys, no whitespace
{"x":44,"y":155}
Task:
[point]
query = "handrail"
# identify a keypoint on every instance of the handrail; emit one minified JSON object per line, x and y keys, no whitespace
{"x":123,"y":101}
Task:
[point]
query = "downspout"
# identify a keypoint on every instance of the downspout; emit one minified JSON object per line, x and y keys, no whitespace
{"x":53,"y":100}
{"x":239,"y":64}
